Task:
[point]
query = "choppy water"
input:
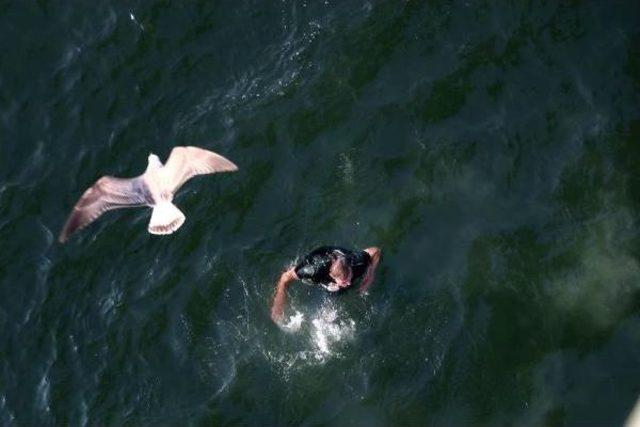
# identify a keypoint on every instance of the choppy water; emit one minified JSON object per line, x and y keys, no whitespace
{"x":492,"y":151}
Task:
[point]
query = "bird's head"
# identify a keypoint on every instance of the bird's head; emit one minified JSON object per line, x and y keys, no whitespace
{"x":154,"y":161}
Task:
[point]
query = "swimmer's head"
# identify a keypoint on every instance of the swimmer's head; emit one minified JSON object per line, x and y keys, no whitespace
{"x":340,"y":272}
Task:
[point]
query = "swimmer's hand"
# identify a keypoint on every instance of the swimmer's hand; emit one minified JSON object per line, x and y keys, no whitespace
{"x":369,"y":276}
{"x":277,"y":314}
{"x":366,"y":282}
{"x":277,"y":310}
{"x":280,"y":298}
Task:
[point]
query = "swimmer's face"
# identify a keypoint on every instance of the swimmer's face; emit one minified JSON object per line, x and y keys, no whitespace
{"x":341,"y":273}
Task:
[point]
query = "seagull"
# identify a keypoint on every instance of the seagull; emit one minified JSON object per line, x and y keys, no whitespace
{"x":154,"y":188}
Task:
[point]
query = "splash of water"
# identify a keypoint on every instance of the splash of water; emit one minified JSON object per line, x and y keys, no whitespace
{"x":294,"y":323}
{"x":327,"y":331}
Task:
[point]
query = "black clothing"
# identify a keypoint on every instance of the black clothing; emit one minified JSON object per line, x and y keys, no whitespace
{"x":314,"y":267}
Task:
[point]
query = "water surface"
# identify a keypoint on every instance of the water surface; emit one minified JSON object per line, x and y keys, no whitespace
{"x":491,"y":151}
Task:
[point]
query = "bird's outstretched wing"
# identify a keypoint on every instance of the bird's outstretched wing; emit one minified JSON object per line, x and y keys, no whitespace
{"x":106,"y":194}
{"x":186,"y":162}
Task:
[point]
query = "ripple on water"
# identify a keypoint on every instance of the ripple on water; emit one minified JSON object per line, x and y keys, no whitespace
{"x":6,"y":415}
{"x":216,"y":365}
{"x":280,"y":67}
{"x":43,"y":392}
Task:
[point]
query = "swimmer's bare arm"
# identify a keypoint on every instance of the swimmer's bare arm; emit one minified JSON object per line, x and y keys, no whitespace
{"x":280,"y":299}
{"x":375,"y":254}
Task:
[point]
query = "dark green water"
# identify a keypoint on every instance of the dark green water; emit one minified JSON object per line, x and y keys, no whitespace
{"x":493,"y":152}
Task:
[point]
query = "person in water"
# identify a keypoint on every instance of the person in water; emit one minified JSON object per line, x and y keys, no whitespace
{"x":330,"y":267}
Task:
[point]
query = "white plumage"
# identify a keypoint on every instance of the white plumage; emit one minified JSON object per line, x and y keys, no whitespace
{"x":155,"y":188}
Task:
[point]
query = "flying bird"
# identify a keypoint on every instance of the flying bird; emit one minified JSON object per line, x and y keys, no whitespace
{"x":154,"y":188}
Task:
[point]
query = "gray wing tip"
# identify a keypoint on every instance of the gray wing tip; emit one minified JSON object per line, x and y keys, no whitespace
{"x":70,"y":226}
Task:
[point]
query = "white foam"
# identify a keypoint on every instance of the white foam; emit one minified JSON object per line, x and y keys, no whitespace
{"x":294,"y":323}
{"x":325,"y":333}
{"x":329,"y":330}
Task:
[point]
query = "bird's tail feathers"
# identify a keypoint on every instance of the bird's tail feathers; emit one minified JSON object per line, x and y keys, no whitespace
{"x":165,"y":218}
